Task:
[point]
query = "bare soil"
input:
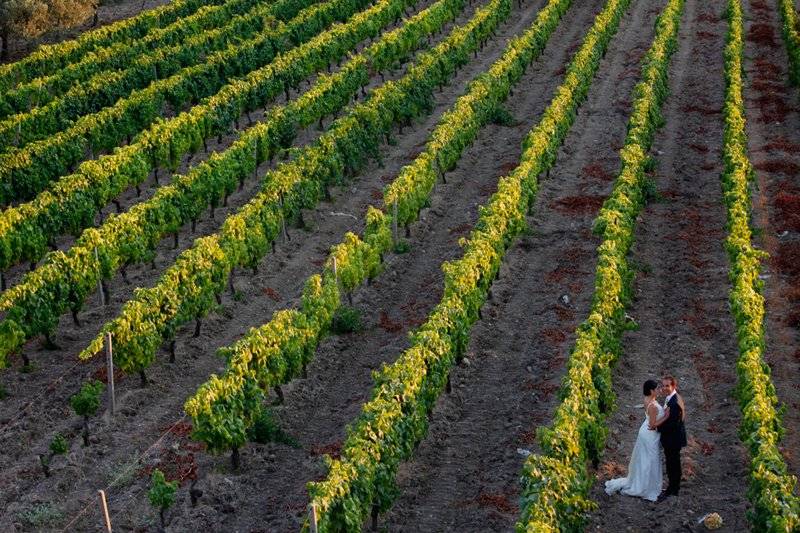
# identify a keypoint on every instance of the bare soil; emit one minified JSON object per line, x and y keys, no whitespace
{"x":464,"y":475}
{"x":681,"y":302}
{"x":773,"y":128}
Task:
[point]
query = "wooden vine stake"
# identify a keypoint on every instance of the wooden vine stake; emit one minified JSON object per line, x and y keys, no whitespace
{"x":312,"y":517}
{"x":394,"y":221}
{"x":100,"y":279}
{"x":104,"y":505}
{"x":110,"y":372}
{"x":283,"y":220}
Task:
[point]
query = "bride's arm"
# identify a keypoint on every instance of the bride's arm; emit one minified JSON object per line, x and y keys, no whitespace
{"x":652,"y":414}
{"x":652,"y":417}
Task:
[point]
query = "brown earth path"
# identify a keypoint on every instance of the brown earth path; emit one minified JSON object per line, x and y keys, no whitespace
{"x":681,"y":302}
{"x":339,"y":379}
{"x":464,"y":476}
{"x":773,"y":129}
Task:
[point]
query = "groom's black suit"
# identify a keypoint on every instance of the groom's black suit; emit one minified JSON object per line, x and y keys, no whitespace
{"x":673,"y":438}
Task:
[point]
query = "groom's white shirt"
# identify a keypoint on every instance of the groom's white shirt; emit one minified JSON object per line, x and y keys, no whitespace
{"x":668,"y":398}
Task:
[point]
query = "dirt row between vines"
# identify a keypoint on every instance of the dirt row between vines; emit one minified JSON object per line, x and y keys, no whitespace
{"x":681,"y":301}
{"x":58,"y":375}
{"x":316,"y":409}
{"x":773,"y":127}
{"x":465,"y":475}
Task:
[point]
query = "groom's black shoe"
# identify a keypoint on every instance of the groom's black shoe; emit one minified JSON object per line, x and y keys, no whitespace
{"x":663,"y":496}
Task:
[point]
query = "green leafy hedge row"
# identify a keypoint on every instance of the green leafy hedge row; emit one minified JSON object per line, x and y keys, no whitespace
{"x":50,"y":58}
{"x":224,"y":407}
{"x":557,"y":481}
{"x":395,"y":420}
{"x":188,"y":289}
{"x":104,"y":86}
{"x":71,"y":204}
{"x":776,"y":507}
{"x":790,"y":23}
{"x":26,"y":171}
{"x":67,"y":279}
{"x":40,"y":91}
{"x":34,"y":305}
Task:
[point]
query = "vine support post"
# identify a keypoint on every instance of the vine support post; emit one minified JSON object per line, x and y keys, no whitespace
{"x":283,"y":220}
{"x":235,"y":458}
{"x":100,"y":279}
{"x":312,"y":517}
{"x":110,"y":373}
{"x":394,"y":221}
{"x":104,"y":506}
{"x":255,"y":160}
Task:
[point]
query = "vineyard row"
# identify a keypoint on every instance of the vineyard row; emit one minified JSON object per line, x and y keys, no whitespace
{"x":189,"y":288}
{"x":71,"y":204}
{"x":557,"y":481}
{"x":776,"y":508}
{"x":394,"y":421}
{"x":108,"y":86}
{"x":120,"y":56}
{"x":27,"y":171}
{"x":278,"y":352}
{"x":66,"y":279}
{"x":50,"y":58}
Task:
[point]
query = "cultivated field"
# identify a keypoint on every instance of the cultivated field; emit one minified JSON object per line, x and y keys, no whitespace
{"x":400,"y":264}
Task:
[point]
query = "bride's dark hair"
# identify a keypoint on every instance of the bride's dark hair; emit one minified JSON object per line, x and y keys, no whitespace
{"x":649,"y":386}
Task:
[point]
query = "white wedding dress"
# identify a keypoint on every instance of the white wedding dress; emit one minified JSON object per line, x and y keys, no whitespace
{"x":644,"y":469}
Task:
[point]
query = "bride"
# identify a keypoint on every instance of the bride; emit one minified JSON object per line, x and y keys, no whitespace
{"x":644,"y":470}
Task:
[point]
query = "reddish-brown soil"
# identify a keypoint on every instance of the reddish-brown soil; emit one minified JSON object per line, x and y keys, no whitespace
{"x":681,"y":304}
{"x":464,"y":475}
{"x":773,"y":128}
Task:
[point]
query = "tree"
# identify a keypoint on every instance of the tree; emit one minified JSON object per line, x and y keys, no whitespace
{"x":32,"y":18}
{"x":85,"y":404}
{"x":162,"y":494}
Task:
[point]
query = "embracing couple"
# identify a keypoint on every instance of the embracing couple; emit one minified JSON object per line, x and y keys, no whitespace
{"x":662,"y":428}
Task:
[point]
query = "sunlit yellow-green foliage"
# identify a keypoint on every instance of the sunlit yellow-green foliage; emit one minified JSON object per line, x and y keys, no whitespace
{"x":224,"y":407}
{"x":49,"y":59}
{"x":556,"y":483}
{"x":790,"y":24}
{"x":776,"y":508}
{"x":395,"y":419}
{"x":65,"y":279}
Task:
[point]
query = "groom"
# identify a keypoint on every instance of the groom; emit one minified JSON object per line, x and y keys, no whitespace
{"x":673,"y":436}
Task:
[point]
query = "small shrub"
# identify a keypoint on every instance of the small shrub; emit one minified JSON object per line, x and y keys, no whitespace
{"x":502,"y":117}
{"x":266,"y":430}
{"x":59,"y":445}
{"x":346,"y":320}
{"x":40,"y":516}
{"x":402,"y":247}
{"x":85,"y":404}
{"x":3,"y":392}
{"x":162,"y":494}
